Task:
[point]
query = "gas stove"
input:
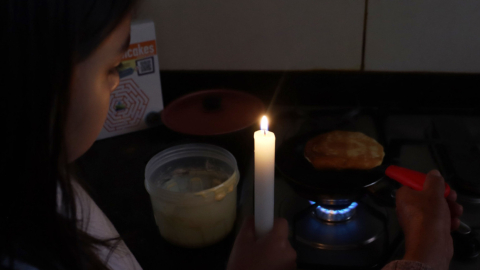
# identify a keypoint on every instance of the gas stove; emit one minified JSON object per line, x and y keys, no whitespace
{"x":330,"y":237}
{"x":365,"y":234}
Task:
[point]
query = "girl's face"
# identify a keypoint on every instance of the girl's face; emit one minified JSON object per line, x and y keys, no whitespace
{"x":93,"y":81}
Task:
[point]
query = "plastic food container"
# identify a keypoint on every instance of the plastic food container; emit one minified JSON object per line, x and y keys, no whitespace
{"x":193,"y":189}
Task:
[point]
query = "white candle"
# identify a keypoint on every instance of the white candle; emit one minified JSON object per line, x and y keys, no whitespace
{"x":264,"y":176}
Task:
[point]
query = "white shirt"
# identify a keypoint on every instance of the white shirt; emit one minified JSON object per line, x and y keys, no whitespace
{"x":93,"y":221}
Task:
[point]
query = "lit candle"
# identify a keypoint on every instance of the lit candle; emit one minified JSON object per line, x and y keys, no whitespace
{"x":264,"y":176}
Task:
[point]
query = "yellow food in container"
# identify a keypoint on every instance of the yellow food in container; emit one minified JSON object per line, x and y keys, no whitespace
{"x":193,"y":192}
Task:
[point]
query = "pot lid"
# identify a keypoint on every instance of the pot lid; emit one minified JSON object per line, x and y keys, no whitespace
{"x":213,"y":112}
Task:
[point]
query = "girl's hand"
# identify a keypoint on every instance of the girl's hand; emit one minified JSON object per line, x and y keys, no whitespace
{"x":271,"y":252}
{"x":427,"y":219}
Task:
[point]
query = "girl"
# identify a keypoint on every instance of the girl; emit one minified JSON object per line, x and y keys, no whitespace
{"x":61,"y":59}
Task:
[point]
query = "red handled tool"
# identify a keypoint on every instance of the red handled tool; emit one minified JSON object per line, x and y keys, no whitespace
{"x":410,"y":178}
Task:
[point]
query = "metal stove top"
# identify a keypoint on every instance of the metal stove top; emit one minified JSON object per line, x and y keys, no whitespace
{"x":371,"y":237}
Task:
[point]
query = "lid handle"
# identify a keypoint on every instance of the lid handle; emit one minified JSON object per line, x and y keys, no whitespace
{"x":212,"y":103}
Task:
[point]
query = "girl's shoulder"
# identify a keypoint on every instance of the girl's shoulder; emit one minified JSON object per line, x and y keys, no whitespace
{"x":93,"y":221}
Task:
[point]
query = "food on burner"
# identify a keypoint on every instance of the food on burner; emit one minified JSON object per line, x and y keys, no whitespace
{"x":338,"y":150}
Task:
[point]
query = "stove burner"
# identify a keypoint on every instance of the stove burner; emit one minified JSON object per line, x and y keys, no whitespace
{"x":363,"y":229}
{"x":331,"y":214}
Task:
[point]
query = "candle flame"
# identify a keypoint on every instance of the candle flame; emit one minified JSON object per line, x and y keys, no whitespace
{"x":264,"y":123}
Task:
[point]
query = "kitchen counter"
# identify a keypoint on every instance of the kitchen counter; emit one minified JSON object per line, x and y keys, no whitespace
{"x":114,"y":168}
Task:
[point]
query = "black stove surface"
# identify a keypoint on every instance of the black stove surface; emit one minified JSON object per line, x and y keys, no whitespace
{"x":114,"y":167}
{"x":372,"y":237}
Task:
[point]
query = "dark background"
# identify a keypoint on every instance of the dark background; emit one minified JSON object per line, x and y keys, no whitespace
{"x":336,"y":89}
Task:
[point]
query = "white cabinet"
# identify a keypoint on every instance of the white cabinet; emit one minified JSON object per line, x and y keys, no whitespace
{"x":257,"y":34}
{"x":423,"y":35}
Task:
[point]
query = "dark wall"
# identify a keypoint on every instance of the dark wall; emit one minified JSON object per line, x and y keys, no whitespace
{"x":415,"y":91}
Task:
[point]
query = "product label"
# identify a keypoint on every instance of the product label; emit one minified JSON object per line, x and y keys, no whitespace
{"x":140,"y":50}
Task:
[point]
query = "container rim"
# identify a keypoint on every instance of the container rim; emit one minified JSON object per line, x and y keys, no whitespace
{"x":189,"y":150}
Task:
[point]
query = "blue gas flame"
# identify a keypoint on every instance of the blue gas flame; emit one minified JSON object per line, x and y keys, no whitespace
{"x":352,"y":206}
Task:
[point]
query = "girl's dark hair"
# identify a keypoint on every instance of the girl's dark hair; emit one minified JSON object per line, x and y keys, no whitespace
{"x":42,"y":40}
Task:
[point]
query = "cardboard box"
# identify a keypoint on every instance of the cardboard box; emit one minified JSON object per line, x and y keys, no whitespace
{"x":139,"y":92}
